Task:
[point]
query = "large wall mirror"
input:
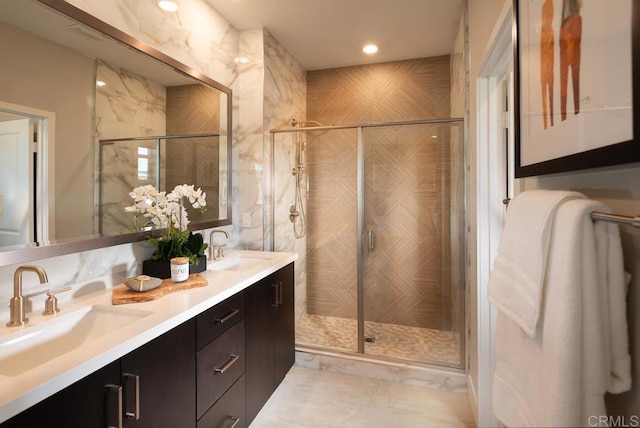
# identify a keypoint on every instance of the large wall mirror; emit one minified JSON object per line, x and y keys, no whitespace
{"x":87,"y":113}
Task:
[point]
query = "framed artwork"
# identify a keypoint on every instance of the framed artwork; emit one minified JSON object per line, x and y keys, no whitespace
{"x":574,"y":68}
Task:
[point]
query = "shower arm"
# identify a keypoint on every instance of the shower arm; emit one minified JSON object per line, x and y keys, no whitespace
{"x":294,"y":122}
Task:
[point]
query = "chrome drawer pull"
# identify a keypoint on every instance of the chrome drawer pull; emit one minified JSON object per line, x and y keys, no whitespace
{"x":228,"y":364}
{"x":236,"y":421}
{"x":227,"y":317}
{"x":136,"y":379}
{"x":276,"y":288}
{"x":118,"y":390}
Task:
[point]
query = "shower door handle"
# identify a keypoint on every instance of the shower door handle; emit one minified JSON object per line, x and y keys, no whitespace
{"x":371,"y":240}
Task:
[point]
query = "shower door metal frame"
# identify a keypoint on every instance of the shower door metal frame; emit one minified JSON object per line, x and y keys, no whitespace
{"x":361,"y":216}
{"x":361,"y":237}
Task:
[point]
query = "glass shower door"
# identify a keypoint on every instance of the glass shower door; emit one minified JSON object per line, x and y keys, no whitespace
{"x":412,"y":248}
{"x":326,"y":290}
{"x":380,"y":253}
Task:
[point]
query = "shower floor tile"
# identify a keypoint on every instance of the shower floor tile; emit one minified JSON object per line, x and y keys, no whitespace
{"x":396,"y":341}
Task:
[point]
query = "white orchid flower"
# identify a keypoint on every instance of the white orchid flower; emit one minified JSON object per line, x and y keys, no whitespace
{"x":164,"y":209}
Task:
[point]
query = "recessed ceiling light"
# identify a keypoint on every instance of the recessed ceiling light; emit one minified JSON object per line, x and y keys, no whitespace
{"x":168,"y":6}
{"x":100,"y":83}
{"x":370,"y":49}
{"x":241,"y":60}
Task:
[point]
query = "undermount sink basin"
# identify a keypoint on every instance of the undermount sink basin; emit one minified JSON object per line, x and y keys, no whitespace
{"x":33,"y":346}
{"x":240,"y":262}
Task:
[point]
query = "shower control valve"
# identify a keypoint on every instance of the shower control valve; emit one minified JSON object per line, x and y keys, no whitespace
{"x":293,"y":213}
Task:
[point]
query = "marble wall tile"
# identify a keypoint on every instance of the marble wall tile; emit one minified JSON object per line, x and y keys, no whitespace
{"x":248,"y":202}
{"x":196,"y":35}
{"x":85,"y":272}
{"x":285,"y":87}
{"x":128,"y":105}
{"x":284,"y":98}
{"x":247,"y":161}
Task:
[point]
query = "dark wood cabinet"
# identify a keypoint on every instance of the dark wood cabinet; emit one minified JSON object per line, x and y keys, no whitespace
{"x":214,"y":321}
{"x":229,"y":410}
{"x":285,"y":333}
{"x":270,"y":336}
{"x":220,"y":361}
{"x":216,"y":369}
{"x":165,"y":370}
{"x":88,"y":403}
{"x":156,"y":383}
{"x":220,"y":364}
{"x":260,"y":325}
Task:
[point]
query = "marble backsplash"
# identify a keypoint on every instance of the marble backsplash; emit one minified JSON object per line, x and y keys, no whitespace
{"x":86,"y":272}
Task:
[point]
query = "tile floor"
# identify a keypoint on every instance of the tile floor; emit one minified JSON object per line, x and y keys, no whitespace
{"x":397,"y":341}
{"x":309,"y":398}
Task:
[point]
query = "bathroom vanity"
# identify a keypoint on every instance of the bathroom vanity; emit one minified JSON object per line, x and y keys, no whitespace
{"x":205,"y":357}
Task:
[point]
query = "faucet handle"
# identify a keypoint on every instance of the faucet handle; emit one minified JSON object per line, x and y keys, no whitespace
{"x":219,"y":252}
{"x":51,"y":304}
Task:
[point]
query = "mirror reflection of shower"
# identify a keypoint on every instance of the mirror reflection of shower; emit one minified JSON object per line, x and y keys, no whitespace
{"x":299,"y":171}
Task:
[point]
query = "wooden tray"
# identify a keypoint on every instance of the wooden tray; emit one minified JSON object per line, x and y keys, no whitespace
{"x":124,"y":294}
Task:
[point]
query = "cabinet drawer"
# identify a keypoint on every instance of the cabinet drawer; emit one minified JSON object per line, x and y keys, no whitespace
{"x":220,"y":318}
{"x":229,"y":410}
{"x":220,"y":364}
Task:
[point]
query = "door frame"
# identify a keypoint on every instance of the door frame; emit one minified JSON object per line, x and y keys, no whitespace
{"x":492,"y":167}
{"x":44,"y":168}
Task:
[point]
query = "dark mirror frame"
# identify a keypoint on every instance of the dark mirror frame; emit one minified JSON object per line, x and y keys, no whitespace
{"x":615,"y":154}
{"x":42,"y":251}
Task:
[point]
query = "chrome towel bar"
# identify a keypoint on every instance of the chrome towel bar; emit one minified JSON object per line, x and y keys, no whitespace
{"x":615,"y":218}
{"x":612,"y":218}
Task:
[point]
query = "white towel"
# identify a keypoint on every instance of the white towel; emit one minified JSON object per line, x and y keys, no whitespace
{"x":580,"y":350}
{"x":516,"y":281}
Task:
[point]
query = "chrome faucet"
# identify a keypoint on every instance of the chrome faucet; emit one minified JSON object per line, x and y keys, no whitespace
{"x":16,"y":304}
{"x":215,"y":251}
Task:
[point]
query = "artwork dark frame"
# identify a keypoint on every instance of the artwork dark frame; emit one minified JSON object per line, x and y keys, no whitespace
{"x":610,"y":148}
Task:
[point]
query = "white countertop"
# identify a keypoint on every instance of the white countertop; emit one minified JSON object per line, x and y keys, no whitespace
{"x":17,"y":393}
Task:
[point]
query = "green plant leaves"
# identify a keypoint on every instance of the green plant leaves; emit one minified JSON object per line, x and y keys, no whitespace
{"x":179,"y":244}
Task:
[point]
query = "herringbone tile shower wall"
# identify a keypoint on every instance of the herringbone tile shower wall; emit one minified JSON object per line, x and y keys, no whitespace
{"x":407,"y":188}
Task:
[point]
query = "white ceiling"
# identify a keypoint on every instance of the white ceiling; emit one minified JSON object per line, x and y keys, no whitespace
{"x":331,"y":33}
